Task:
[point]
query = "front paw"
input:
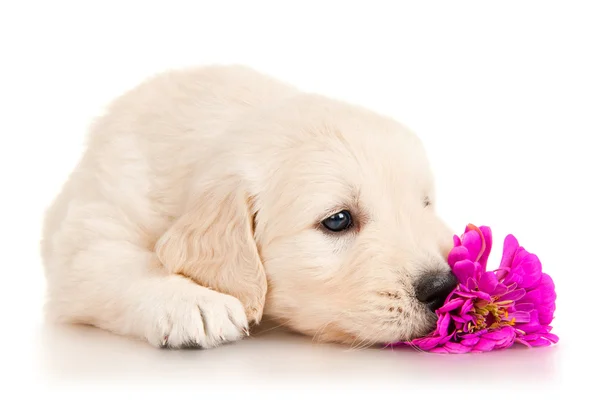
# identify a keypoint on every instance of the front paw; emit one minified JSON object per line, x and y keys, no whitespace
{"x":197,"y":317}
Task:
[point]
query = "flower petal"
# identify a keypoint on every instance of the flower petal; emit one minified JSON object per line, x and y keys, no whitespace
{"x":460,"y":320}
{"x":514,"y":295}
{"x":510,"y":248}
{"x":473,"y":240}
{"x":533,"y":325}
{"x":500,"y":289}
{"x":540,"y":342}
{"x":443,"y":325}
{"x":482,"y":295}
{"x":523,"y":342}
{"x":484,"y":345}
{"x":466,"y":307}
{"x":498,"y":335}
{"x":551,"y":337}
{"x":520,"y":316}
{"x":464,"y":270}
{"x":472,"y":283}
{"x":457,"y":241}
{"x":531,"y":268}
{"x":487,"y":238}
{"x":456,"y":348}
{"x":470,"y":342}
{"x":458,"y":253}
{"x":533,"y":296}
{"x":427,"y":343}
{"x":451,"y":305}
{"x":524,"y":306}
{"x":488,"y":282}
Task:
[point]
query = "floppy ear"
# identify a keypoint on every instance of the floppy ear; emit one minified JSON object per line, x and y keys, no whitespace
{"x":213,"y":244}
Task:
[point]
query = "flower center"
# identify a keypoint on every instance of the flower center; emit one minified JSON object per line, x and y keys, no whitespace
{"x":489,"y":315}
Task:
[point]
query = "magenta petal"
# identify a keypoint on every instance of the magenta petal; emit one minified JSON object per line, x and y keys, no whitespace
{"x":498,"y":335}
{"x":445,"y":340}
{"x":514,"y":278}
{"x":443,"y":325}
{"x":520,"y":316}
{"x":460,"y":320}
{"x":546,"y":283}
{"x":457,"y":254}
{"x":514,"y":295}
{"x":470,"y":342}
{"x":482,"y":296}
{"x":488,"y":282}
{"x":500,"y":289}
{"x":484,"y":345}
{"x":456,"y":348}
{"x":546,"y":317}
{"x":471,"y":283}
{"x":487,"y":237}
{"x":533,"y":325}
{"x":466,"y":307}
{"x":507,"y":341}
{"x":532,"y":270}
{"x":524,"y":306}
{"x":464,"y":270}
{"x":510,"y":248}
{"x":541,"y":342}
{"x":523,"y":342}
{"x":552,"y":337}
{"x":533,"y":296}
{"x":479,"y":270}
{"x":427,"y":343}
{"x":451,"y":305}
{"x":530,"y":337}
{"x":456,"y":240}
{"x":466,"y":294}
{"x":474,"y":335}
{"x":547,"y":295}
{"x":472,"y":241}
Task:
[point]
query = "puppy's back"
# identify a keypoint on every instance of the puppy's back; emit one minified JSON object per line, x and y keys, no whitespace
{"x":145,"y":144}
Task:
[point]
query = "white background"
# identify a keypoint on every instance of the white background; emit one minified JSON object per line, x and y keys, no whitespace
{"x":509,"y":87}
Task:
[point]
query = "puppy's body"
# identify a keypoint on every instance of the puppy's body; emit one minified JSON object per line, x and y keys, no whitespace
{"x":196,"y":208}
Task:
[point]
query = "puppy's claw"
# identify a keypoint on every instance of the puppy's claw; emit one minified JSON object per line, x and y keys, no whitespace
{"x":246,"y":332}
{"x":165,"y":341}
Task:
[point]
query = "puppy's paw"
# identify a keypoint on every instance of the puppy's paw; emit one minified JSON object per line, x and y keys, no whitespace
{"x":196,"y":317}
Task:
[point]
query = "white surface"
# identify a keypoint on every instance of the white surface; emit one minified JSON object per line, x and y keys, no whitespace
{"x":512,"y":89}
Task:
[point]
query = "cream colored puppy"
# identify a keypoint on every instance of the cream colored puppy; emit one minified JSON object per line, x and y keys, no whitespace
{"x":210,"y":197}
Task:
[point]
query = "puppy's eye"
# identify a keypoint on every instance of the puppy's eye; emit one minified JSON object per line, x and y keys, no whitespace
{"x":338,"y":222}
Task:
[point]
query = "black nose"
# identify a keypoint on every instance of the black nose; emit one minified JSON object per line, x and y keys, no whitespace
{"x":432,"y":289}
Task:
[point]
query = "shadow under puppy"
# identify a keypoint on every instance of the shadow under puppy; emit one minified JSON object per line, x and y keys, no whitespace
{"x":210,"y":197}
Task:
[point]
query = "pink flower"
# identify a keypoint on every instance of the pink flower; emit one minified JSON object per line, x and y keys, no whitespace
{"x":492,"y":309}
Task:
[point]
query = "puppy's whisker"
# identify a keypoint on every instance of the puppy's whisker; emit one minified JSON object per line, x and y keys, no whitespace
{"x":272,"y":328}
{"x":366,"y":342}
{"x":319,"y":332}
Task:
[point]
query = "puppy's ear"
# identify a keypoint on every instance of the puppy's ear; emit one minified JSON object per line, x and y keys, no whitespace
{"x":213,"y":244}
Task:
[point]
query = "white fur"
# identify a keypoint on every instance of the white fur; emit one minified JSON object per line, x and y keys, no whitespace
{"x":196,"y":207}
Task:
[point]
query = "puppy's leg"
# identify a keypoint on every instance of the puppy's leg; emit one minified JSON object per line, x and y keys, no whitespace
{"x":121,"y":287}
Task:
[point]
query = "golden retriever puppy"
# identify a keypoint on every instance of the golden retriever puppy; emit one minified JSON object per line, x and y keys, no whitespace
{"x":209,"y":197}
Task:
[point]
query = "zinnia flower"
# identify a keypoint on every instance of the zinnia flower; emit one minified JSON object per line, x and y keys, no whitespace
{"x":492,"y":309}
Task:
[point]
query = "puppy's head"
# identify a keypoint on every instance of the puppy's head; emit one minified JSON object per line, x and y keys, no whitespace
{"x":337,"y":223}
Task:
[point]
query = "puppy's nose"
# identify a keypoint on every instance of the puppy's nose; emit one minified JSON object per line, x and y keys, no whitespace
{"x":432,"y":289}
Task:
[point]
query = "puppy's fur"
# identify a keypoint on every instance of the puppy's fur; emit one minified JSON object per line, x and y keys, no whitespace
{"x":196,"y":209}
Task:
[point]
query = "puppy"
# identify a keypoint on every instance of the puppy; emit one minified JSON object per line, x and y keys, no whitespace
{"x":210,"y":197}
